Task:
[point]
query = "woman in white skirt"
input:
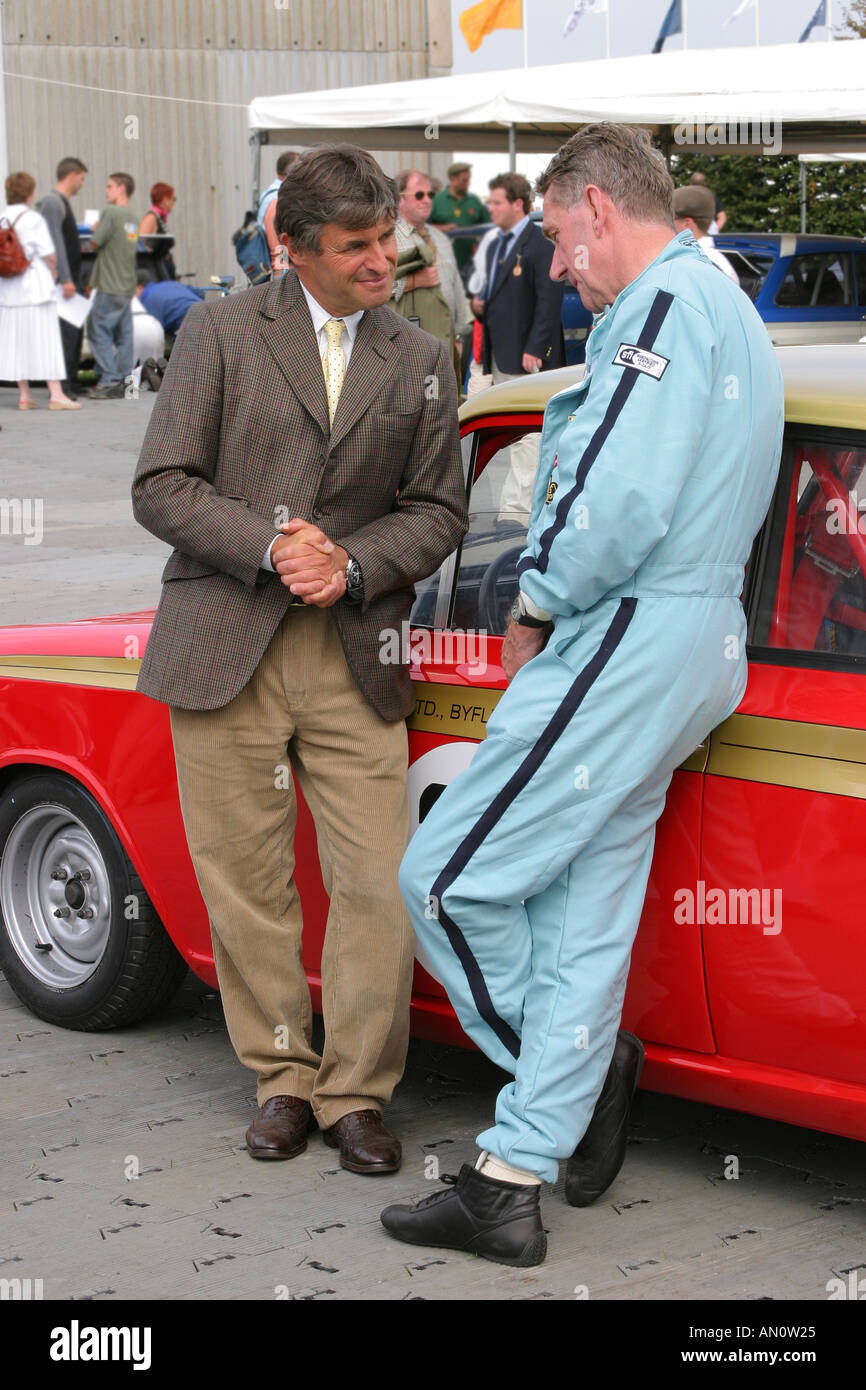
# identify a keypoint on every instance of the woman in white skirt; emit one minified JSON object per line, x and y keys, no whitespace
{"x":31,"y":348}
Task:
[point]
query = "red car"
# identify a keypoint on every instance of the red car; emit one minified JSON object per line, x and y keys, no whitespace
{"x":748,"y":977}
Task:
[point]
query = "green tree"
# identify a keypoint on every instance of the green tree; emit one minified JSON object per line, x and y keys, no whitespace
{"x":761,"y":193}
{"x":855,"y":20}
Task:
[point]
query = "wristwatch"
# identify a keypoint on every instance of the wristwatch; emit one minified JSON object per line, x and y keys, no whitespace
{"x":519,"y":614}
{"x":354,"y":582}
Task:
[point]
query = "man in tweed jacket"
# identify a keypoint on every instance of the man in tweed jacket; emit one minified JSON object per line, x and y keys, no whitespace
{"x":303,"y":459}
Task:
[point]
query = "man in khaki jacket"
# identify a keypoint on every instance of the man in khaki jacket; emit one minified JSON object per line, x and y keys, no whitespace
{"x":307,"y":476}
{"x":434,"y":294}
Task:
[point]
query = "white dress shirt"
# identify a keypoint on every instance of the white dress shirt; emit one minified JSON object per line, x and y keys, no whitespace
{"x":718,"y":258}
{"x":320,"y":317}
{"x":513,"y":232}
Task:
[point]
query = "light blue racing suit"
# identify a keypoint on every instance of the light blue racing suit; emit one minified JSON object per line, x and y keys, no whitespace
{"x":526,"y":881}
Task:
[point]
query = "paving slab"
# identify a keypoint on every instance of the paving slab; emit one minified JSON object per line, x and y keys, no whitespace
{"x":203,"y":1221}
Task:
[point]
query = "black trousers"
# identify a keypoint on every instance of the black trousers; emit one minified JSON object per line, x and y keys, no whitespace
{"x":71,"y":338}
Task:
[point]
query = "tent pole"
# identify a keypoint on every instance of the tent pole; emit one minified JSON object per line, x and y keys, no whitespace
{"x":4,"y":150}
{"x":257,"y":139}
{"x":512,"y":148}
{"x":803,"y":196}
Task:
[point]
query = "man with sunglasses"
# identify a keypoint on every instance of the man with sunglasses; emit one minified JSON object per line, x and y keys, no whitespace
{"x":430,"y":295}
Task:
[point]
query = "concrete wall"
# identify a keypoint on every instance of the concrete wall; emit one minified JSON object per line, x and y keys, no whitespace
{"x":159,"y":89}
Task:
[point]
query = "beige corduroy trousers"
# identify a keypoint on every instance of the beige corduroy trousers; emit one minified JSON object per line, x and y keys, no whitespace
{"x":302,"y":711}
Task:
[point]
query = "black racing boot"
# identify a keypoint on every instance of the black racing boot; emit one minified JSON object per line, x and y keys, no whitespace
{"x":501,"y":1221}
{"x":600,"y":1153}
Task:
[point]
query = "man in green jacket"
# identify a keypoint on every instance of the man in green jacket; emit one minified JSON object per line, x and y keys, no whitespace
{"x":455,"y":206}
{"x":109,"y":323}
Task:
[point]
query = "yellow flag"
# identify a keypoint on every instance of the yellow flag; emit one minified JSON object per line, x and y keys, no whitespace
{"x":489,"y":15}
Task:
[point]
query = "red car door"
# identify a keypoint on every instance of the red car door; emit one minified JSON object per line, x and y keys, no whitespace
{"x":783,"y":869}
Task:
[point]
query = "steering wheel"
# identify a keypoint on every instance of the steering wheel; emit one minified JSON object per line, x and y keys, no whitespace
{"x":488,"y":601}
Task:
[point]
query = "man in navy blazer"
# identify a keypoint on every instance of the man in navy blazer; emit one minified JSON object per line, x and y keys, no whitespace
{"x":521,"y":306}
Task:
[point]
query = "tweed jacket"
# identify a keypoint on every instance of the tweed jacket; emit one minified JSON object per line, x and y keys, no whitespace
{"x":239,"y":441}
{"x":524,"y":311}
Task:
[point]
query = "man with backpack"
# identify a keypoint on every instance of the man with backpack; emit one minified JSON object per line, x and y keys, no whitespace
{"x":257,"y":247}
{"x":268,"y":208}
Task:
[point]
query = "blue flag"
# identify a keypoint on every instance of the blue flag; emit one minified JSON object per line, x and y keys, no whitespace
{"x":673,"y":24}
{"x":818,"y":18}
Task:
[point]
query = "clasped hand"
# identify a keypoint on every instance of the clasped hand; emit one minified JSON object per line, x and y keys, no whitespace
{"x":309,"y":563}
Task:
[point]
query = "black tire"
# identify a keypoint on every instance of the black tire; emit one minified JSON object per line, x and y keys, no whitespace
{"x":127,"y":967}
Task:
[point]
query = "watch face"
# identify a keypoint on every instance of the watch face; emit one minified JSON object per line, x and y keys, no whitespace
{"x":516,"y":610}
{"x":353,"y":575}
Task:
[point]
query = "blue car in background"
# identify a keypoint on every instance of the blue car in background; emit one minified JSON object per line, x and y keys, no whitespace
{"x":807,"y":288}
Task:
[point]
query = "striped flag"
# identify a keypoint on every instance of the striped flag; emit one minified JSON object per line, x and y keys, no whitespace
{"x":673,"y":24}
{"x":741,"y":8}
{"x":583,"y":7}
{"x":818,"y":20}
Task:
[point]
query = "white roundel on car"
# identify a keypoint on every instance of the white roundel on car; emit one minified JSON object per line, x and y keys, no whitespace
{"x":430,"y":774}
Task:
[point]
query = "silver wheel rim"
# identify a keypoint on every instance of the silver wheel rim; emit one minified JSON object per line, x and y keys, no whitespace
{"x":55,"y":896}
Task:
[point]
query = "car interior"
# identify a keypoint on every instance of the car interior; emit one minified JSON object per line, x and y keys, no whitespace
{"x":820,"y":598}
{"x":816,"y":281}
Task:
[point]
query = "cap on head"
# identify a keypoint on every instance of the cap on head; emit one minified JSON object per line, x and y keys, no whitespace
{"x":458,"y":168}
{"x":695,"y":201}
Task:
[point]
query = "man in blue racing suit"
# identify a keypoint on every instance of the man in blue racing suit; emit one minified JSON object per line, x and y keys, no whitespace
{"x":526,"y":881}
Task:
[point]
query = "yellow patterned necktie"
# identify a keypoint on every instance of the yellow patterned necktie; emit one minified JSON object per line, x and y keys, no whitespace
{"x":334,"y":364}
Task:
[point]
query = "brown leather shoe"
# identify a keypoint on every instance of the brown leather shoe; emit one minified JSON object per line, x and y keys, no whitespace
{"x":280,"y":1129}
{"x":365,"y":1144}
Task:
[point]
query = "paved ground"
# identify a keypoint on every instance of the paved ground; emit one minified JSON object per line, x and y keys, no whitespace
{"x":75,"y":469}
{"x":80,"y":1112}
{"x":167,"y":1099}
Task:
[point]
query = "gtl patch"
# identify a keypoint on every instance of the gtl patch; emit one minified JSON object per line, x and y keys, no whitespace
{"x":652,"y":363}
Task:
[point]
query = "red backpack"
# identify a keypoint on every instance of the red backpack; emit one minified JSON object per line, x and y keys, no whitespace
{"x":12,"y":258}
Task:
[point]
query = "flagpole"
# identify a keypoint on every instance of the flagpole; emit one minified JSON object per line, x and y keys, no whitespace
{"x":829,"y":21}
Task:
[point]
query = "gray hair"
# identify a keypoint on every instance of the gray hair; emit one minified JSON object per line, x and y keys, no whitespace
{"x":332,"y":183}
{"x":619,"y":159}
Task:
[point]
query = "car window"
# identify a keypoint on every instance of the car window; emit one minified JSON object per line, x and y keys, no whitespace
{"x":499,"y":509}
{"x":816,"y":281}
{"x":433,"y":594}
{"x":423,"y":612}
{"x":860,"y":272}
{"x":752,"y":268}
{"x":813,"y":592}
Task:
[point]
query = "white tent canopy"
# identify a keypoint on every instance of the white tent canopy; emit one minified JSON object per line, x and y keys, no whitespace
{"x":831,"y":158}
{"x":791,"y":99}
